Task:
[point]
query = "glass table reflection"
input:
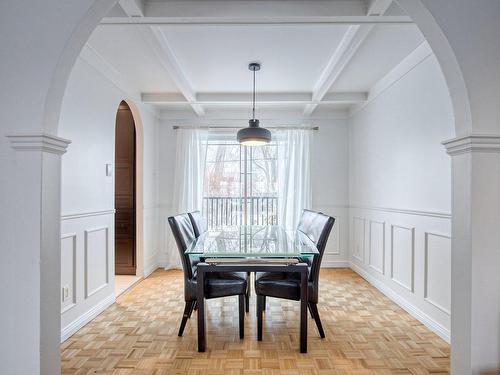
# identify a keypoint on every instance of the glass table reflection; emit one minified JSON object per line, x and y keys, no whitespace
{"x":252,"y":241}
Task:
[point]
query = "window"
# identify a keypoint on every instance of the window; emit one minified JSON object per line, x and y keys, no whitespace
{"x":240,"y":184}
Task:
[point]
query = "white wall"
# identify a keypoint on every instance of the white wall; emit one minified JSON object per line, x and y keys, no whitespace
{"x":400,"y":193}
{"x":87,"y":208}
{"x":330,"y":188}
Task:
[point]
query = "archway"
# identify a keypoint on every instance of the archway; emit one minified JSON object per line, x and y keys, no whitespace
{"x":416,"y":9}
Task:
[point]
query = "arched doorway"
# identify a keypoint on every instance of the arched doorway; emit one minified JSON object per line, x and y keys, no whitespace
{"x":82,"y":22}
{"x":125,"y":192}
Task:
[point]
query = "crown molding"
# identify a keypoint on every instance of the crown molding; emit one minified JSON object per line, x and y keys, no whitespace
{"x":411,"y":61}
{"x":38,"y":142}
{"x":484,"y":143}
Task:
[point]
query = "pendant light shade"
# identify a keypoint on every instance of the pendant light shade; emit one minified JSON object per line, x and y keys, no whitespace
{"x":253,"y":135}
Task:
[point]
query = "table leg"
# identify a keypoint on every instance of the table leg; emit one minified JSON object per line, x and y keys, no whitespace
{"x":201,"y":309}
{"x":303,"y":311}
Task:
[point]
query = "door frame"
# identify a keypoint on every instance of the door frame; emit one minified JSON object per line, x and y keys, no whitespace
{"x":139,"y":188}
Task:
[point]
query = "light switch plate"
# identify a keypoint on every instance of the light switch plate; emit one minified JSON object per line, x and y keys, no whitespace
{"x":109,"y":170}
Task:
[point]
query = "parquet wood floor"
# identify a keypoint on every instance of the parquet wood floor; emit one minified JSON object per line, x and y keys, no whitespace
{"x":366,"y":333}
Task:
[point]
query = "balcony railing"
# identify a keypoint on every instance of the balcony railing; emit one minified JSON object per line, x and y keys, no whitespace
{"x":226,"y":211}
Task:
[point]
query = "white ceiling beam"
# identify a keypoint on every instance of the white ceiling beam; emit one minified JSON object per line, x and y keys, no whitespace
{"x":352,"y":40}
{"x":344,"y":97}
{"x":267,"y":8}
{"x":229,"y":99}
{"x":133,"y":8}
{"x":255,"y":12}
{"x":378,"y":7}
{"x":157,"y":42}
{"x":278,"y":20}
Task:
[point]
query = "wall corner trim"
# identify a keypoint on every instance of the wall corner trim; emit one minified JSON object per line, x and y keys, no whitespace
{"x":38,"y":142}
{"x":484,"y":143}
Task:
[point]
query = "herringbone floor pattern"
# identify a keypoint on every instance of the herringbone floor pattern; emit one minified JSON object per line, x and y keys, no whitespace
{"x":366,"y":333}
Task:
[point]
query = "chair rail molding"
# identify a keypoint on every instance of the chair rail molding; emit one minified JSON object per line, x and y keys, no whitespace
{"x":406,"y":211}
{"x":38,"y":142}
{"x":87,"y":214}
{"x":484,"y":143}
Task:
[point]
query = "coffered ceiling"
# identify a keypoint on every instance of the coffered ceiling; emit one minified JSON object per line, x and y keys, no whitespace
{"x":191,"y":56}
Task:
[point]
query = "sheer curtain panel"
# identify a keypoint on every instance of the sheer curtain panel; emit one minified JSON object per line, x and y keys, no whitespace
{"x":294,"y":174}
{"x":191,"y":148}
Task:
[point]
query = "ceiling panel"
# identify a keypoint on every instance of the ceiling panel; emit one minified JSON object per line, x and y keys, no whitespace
{"x":124,"y":48}
{"x":215,"y":58}
{"x":384,"y":48}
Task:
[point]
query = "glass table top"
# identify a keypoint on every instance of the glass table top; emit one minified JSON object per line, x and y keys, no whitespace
{"x":252,"y":241}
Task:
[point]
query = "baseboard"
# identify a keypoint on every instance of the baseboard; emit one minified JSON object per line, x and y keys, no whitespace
{"x":335,"y":264}
{"x":425,"y":319}
{"x":83,"y":319}
{"x":150,"y":269}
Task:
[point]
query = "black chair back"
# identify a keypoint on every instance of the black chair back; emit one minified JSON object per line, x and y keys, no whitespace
{"x":317,"y":226}
{"x":184,"y":234}
{"x":199,"y":223}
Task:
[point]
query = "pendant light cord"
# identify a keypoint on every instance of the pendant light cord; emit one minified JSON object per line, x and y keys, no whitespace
{"x":253,"y":107}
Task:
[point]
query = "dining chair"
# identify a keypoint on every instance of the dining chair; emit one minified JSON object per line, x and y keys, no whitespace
{"x":199,"y":223}
{"x":317,"y":227}
{"x":220,"y":284}
{"x":200,"y":227}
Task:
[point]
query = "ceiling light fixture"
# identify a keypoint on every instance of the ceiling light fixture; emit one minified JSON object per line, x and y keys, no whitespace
{"x":253,"y":135}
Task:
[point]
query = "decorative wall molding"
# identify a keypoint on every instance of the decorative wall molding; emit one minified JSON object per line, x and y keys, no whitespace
{"x":73,"y":271}
{"x":484,"y":143}
{"x":443,"y":215}
{"x":427,"y":298}
{"x":335,"y":236}
{"x":87,"y":214}
{"x":403,"y":281}
{"x":411,"y":286}
{"x":429,"y":322}
{"x":89,"y":293}
{"x":370,"y":247}
{"x":83,"y":319}
{"x":361,"y":256}
{"x":38,"y":142}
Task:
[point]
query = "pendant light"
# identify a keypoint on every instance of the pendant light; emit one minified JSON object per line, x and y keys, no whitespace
{"x":253,"y":135}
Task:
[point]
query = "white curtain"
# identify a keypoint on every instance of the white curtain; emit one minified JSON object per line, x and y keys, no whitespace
{"x":191,"y":146}
{"x":294,"y":174}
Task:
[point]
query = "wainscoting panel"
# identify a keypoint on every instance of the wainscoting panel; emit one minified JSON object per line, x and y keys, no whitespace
{"x":96,"y":260}
{"x":87,"y":264}
{"x":358,"y":238}
{"x":408,"y":257}
{"x":376,"y":251}
{"x":403,"y":256}
{"x":68,"y":271}
{"x":437,"y":284}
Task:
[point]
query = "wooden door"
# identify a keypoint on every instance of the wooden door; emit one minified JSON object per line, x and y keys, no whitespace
{"x":125,"y":256}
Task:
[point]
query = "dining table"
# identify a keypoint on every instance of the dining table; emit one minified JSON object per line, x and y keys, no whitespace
{"x":252,"y":248}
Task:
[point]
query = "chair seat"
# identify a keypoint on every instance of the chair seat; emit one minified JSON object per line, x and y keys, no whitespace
{"x":219,"y":284}
{"x":225,"y":284}
{"x":280,"y":285}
